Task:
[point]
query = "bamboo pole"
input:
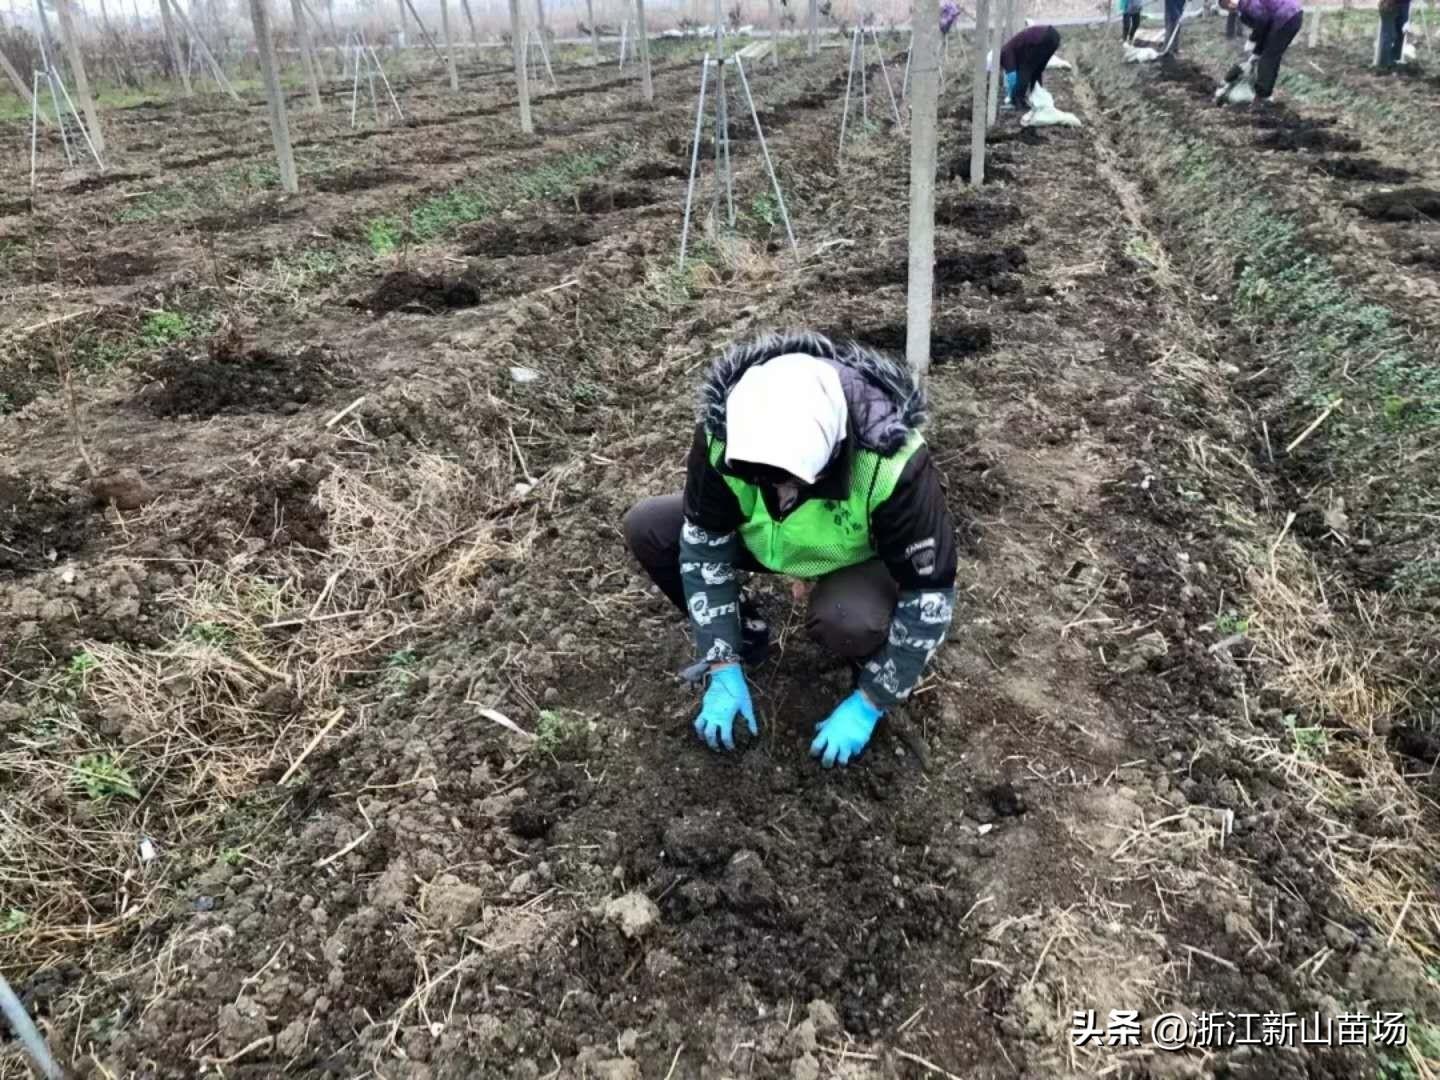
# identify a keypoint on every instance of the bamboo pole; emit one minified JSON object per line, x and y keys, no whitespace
{"x":470,"y":19}
{"x":307,"y":55}
{"x":424,"y":33}
{"x":199,"y":40}
{"x":270,"y":71}
{"x":977,"y":94}
{"x":522,"y":81}
{"x":643,"y":35}
{"x":77,"y":67}
{"x":594,"y":33}
{"x":167,"y":20}
{"x":814,"y":47}
{"x":924,"y":109}
{"x":774,"y":34}
{"x":449,"y":46}
{"x":993,"y":43}
{"x":15,"y":80}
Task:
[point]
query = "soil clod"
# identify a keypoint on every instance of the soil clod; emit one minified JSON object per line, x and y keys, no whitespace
{"x":1407,"y":204}
{"x":422,"y":294}
{"x":1361,"y":168}
{"x":232,"y":379}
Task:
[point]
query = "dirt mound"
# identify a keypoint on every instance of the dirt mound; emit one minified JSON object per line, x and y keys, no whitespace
{"x":992,"y":270}
{"x":38,"y":524}
{"x":1407,"y":204}
{"x":1187,"y":74}
{"x":996,"y":168}
{"x":948,"y":341}
{"x":266,"y":212}
{"x":974,"y":215}
{"x":601,"y":199}
{"x":96,"y":183}
{"x":207,"y":159}
{"x":422,"y":294}
{"x":658,"y":170}
{"x":1302,"y":136}
{"x":9,"y":207}
{"x":118,"y":267}
{"x":1361,"y":168}
{"x":356,"y":180}
{"x":543,"y":237}
{"x":1281,"y":117}
{"x":232,"y":379}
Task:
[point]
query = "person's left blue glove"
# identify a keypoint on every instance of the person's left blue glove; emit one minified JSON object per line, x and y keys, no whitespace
{"x":844,"y":734}
{"x":726,"y":695}
{"x":1012,"y":83}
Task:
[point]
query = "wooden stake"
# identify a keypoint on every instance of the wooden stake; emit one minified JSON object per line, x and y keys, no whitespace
{"x":977,"y":94}
{"x":643,"y":36}
{"x":82,"y":80}
{"x":522,"y":80}
{"x":814,"y":47}
{"x":279,"y":122}
{"x":449,"y":46}
{"x":924,"y":109}
{"x":167,"y":20}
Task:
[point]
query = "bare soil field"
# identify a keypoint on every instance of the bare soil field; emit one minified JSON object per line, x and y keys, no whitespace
{"x":340,"y":737}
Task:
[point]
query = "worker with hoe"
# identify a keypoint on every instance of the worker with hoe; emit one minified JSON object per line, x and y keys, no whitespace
{"x":1273,"y":26}
{"x":807,"y":462}
{"x":1023,"y":59}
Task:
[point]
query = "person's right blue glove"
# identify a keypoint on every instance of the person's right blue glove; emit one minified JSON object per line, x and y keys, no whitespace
{"x":1012,"y":83}
{"x":726,"y":695}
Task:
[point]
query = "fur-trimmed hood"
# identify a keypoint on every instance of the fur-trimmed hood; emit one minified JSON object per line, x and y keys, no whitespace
{"x":884,"y":402}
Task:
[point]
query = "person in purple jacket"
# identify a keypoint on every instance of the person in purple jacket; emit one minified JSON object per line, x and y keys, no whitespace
{"x":1273,"y":25}
{"x":1023,"y":59}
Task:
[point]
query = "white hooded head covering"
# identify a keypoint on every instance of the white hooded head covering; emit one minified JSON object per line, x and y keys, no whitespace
{"x":788,"y":413}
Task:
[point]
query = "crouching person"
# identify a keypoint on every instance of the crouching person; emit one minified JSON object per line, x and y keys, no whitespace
{"x":807,"y":462}
{"x":1023,"y":59}
{"x":1273,"y":25}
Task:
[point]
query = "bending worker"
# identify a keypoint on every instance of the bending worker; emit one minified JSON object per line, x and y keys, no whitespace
{"x":1023,"y":59}
{"x":1273,"y":25}
{"x":807,"y":462}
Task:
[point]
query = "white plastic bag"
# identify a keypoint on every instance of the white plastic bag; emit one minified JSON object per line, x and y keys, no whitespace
{"x":1140,"y":55}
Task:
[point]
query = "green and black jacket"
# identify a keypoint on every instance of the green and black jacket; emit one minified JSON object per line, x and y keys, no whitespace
{"x":880,"y":497}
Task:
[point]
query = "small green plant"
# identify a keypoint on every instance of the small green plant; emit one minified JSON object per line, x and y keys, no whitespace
{"x":231,"y":856}
{"x":562,"y":734}
{"x":7,"y":404}
{"x":14,"y":921}
{"x":399,"y":671}
{"x":383,"y":235}
{"x":764,"y":209}
{"x":210,"y":633}
{"x":1231,"y":622}
{"x":1310,"y":742}
{"x":103,"y":777}
{"x":163,"y":327}
{"x":76,"y":673}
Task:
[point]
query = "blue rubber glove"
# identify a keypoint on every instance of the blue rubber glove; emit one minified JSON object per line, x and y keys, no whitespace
{"x":1012,"y":83}
{"x":726,"y":695}
{"x":844,"y":734}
